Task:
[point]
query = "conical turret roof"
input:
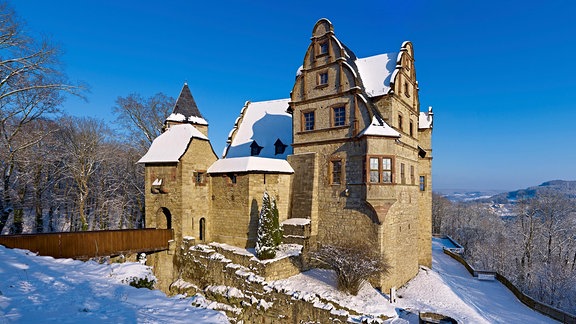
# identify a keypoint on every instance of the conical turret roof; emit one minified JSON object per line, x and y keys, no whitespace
{"x":185,"y":104}
{"x":185,"y":109}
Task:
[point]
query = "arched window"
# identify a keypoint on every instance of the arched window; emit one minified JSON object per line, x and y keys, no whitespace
{"x":202,"y":229}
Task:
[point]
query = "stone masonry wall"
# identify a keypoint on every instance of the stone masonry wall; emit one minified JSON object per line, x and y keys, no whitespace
{"x":304,"y":199}
{"x":235,"y":282}
{"x":235,"y":208}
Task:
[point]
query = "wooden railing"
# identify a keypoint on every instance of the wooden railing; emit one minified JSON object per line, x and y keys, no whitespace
{"x":85,"y":245}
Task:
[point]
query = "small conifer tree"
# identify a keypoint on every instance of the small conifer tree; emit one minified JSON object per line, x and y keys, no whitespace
{"x":265,"y":242}
{"x":277,"y":232}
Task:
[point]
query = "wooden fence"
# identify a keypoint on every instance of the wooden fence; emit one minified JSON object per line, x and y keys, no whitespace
{"x":86,"y":245}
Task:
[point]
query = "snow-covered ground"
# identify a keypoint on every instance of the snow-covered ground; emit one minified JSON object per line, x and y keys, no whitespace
{"x":35,"y":289}
{"x":449,"y":289}
{"x":42,"y":289}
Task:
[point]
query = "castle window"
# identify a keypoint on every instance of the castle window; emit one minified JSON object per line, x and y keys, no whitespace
{"x":200,"y":178}
{"x":422,"y":183}
{"x":339,"y":116}
{"x":322,"y":79}
{"x":202,"y":229}
{"x":323,"y":48}
{"x":308,"y":120}
{"x":158,"y":186}
{"x":386,"y":170}
{"x":279,"y":147}
{"x":400,"y":122}
{"x":231,"y":178}
{"x":374,"y":170}
{"x":412,"y":128}
{"x":406,"y":90}
{"x":402,"y":173}
{"x":336,"y":170}
{"x":411,"y":174}
{"x":255,"y":148}
{"x":380,"y":169}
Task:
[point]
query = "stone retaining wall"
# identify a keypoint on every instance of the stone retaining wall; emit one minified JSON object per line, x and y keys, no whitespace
{"x":236,"y":283}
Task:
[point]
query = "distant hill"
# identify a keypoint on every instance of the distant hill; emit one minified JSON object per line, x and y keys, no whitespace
{"x":567,"y":188}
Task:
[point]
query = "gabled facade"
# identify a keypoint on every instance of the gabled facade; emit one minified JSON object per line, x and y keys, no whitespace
{"x":360,"y":150}
{"x":349,"y":151}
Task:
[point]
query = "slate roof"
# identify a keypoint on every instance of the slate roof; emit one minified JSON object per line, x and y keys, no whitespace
{"x":185,"y":104}
{"x":186,"y":110}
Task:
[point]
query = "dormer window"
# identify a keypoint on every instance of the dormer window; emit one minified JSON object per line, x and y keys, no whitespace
{"x":279,"y":147}
{"x":255,"y":148}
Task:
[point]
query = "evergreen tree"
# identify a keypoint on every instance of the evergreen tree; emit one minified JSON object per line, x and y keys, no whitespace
{"x":265,"y":243}
{"x":277,"y":232}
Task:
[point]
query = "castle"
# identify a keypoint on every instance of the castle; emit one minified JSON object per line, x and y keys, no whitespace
{"x":349,"y":154}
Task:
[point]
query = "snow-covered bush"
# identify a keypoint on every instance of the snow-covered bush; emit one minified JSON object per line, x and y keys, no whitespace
{"x":142,"y":282}
{"x":353,"y":263}
{"x":269,"y":231}
{"x":142,"y":258}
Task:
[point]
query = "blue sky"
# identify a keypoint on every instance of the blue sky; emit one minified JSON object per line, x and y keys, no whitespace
{"x":501,"y":75}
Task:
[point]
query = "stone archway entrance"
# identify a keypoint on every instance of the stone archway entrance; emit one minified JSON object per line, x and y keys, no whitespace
{"x":163,"y":218}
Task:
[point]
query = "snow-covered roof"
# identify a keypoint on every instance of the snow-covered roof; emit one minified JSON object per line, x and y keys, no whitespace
{"x":426,"y":119}
{"x":172,"y":144}
{"x":177,"y":117}
{"x":296,"y":221}
{"x":379,"y":128}
{"x":250,"y":164}
{"x":265,"y":122}
{"x":376,"y":71}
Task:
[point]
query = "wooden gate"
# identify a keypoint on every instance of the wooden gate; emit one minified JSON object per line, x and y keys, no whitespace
{"x":85,"y":245}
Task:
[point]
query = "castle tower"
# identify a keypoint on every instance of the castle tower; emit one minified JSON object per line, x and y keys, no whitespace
{"x":357,"y":153}
{"x":177,"y":189}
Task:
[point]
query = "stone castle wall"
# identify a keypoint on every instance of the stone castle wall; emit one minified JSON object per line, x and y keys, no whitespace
{"x":235,"y":207}
{"x":242,"y":287}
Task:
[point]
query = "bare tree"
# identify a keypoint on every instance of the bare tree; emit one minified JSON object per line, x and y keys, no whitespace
{"x":143,"y":118}
{"x":84,"y":140}
{"x":440,"y":210}
{"x":32,"y":85}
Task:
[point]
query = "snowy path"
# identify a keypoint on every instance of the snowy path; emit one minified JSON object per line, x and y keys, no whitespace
{"x":449,"y":289}
{"x":35,"y":289}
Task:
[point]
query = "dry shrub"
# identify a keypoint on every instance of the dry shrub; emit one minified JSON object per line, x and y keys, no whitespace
{"x":353,"y":263}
